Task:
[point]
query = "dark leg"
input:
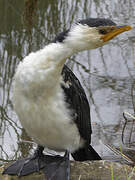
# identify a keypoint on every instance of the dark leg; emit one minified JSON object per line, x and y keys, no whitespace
{"x":27,"y":165}
{"x":58,"y":168}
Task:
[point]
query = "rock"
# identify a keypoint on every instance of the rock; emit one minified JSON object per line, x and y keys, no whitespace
{"x":88,"y":170}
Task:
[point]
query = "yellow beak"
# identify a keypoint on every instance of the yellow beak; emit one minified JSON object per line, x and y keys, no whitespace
{"x":115,"y":32}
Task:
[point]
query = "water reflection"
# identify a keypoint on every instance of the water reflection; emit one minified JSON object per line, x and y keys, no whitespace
{"x":106,"y":74}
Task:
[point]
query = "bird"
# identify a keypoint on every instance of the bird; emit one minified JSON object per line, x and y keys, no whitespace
{"x":51,"y":103}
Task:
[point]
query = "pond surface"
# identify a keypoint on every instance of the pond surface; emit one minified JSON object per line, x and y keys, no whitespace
{"x":107,"y":73}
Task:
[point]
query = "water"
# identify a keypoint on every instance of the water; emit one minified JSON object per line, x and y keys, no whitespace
{"x":107,"y":73}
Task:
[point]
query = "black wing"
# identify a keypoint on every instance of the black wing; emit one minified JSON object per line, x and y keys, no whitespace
{"x":77,"y":100}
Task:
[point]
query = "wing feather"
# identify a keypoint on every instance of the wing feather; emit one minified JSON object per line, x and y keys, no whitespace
{"x":78,"y":103}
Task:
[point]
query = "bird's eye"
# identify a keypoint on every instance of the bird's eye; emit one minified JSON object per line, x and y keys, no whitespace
{"x":102,"y":31}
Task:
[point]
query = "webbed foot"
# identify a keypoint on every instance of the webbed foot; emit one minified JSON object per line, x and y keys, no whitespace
{"x":53,"y":167}
{"x":58,"y":168}
{"x":27,"y":165}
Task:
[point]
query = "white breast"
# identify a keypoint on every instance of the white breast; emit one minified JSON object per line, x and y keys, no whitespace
{"x":41,"y":108}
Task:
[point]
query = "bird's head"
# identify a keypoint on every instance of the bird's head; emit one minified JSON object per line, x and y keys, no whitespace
{"x":91,"y":33}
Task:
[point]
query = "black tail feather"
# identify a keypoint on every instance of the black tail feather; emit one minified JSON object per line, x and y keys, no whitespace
{"x":86,"y":153}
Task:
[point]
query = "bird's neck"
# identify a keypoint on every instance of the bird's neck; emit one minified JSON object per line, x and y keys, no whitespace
{"x":41,"y":71}
{"x":57,"y":53}
{"x":44,"y":68}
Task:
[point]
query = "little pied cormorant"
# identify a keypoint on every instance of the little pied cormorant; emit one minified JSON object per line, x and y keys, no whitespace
{"x":51,"y":103}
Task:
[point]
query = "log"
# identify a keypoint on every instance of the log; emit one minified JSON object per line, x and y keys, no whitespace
{"x":87,"y":170}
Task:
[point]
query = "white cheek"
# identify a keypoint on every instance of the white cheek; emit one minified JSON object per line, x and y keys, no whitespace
{"x":94,"y":40}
